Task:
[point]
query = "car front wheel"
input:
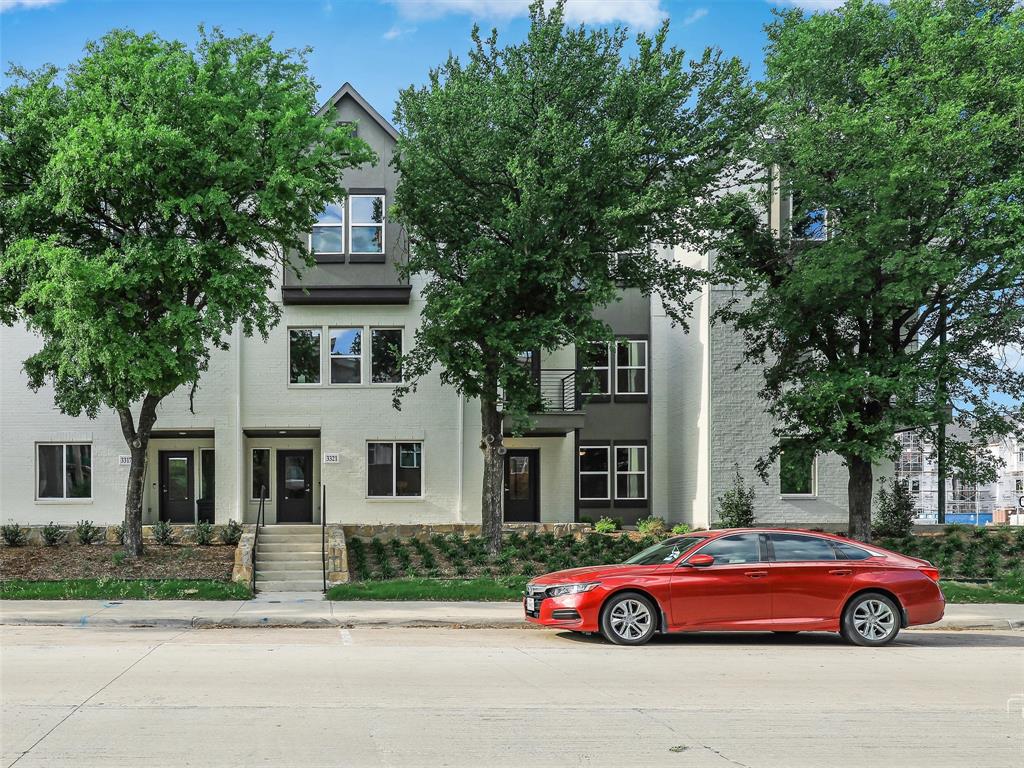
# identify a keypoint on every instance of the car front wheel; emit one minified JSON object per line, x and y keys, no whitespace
{"x":629,"y":619}
{"x":871,"y":619}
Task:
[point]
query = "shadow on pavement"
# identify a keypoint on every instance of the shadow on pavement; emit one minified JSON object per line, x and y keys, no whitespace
{"x":923,"y":639}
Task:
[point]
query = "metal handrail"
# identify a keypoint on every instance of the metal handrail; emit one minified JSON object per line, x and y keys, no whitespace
{"x":260,"y":520}
{"x":557,"y":389}
{"x":323,"y":531}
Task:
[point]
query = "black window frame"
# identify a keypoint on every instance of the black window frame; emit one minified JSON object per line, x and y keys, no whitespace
{"x":762,"y":551}
{"x":771,"y":547}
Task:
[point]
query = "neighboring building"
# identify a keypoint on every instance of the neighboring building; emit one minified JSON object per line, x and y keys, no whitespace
{"x":965,"y":502}
{"x":310,"y":408}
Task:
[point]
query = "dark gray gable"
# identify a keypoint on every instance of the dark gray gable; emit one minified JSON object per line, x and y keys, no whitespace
{"x":348,"y":90}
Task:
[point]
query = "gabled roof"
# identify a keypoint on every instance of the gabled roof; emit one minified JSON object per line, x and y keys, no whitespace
{"x":348,"y":90}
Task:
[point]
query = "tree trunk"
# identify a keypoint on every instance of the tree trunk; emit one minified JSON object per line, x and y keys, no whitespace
{"x":859,"y":490}
{"x":138,"y":444}
{"x":494,"y":472}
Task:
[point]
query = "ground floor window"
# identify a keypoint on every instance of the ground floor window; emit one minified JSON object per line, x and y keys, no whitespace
{"x":630,"y":471}
{"x":394,"y":469}
{"x":64,"y":471}
{"x":796,"y":469}
{"x":260,"y":472}
{"x":594,"y":466}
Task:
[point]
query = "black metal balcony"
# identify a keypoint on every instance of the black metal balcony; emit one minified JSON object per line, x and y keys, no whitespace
{"x":557,"y":391}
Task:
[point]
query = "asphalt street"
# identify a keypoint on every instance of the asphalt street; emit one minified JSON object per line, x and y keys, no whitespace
{"x":367,"y":696}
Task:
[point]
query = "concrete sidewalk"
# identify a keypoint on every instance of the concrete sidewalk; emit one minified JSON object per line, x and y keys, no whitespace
{"x":292,"y":609}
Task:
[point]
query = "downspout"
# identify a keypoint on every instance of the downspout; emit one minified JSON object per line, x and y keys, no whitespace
{"x":462,"y":452}
{"x":240,"y":450}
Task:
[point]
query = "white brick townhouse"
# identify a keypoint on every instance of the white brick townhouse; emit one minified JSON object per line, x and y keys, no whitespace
{"x":311,"y":408}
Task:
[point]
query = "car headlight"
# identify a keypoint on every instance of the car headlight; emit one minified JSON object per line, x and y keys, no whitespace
{"x":571,"y":589}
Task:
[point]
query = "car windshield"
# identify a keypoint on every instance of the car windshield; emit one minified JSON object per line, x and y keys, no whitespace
{"x":667,"y":551}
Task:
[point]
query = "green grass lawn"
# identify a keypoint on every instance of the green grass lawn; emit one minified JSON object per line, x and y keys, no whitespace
{"x":123,"y":589}
{"x":1009,"y":589}
{"x":431,"y":589}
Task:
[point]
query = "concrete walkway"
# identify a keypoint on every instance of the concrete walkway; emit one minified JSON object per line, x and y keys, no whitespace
{"x":292,"y":609}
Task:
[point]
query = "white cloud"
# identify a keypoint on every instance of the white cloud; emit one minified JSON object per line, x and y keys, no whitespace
{"x":11,"y":5}
{"x":695,"y":16}
{"x":810,"y":5}
{"x":636,"y":13}
{"x":397,"y":31}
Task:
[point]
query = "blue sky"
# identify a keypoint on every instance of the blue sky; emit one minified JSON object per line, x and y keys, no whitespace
{"x":378,"y":45}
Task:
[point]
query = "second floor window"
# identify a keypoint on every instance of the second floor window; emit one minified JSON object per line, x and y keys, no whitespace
{"x":386,"y":355}
{"x":631,"y":367}
{"x":304,"y":356}
{"x":597,"y":377}
{"x":346,"y":355}
{"x":807,"y":222}
{"x":328,"y":236}
{"x":366,"y":224}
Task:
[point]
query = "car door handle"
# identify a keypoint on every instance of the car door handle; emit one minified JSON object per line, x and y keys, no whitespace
{"x":755,"y":574}
{"x":841,"y":572}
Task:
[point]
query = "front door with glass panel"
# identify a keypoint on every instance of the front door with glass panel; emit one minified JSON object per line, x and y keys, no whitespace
{"x":177,"y":487}
{"x":294,"y":486}
{"x":522,"y":486}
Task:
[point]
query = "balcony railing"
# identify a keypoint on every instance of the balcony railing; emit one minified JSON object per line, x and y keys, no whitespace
{"x":557,"y":390}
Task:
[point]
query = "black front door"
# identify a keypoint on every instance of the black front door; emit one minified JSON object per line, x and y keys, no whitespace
{"x":294,"y":486}
{"x":177,"y":487}
{"x":522,"y":486}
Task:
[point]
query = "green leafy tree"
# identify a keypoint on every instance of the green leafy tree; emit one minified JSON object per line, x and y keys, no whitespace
{"x":898,"y":130}
{"x":525,"y":170}
{"x":736,"y":505}
{"x":148,"y":196}
{"x":895,"y":513}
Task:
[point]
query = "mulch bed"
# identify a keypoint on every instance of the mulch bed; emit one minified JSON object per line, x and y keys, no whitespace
{"x":95,"y":561}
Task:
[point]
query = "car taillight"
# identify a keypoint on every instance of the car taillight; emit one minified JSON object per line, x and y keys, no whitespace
{"x":931,"y":572}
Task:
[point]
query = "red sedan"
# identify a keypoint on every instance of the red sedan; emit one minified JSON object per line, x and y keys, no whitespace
{"x":783,"y":581}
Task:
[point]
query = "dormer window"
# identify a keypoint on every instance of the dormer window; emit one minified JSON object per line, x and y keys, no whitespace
{"x":328,"y":237}
{"x":366,"y":224}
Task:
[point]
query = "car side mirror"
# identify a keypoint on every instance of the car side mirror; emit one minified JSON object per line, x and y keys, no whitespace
{"x":700,"y":561}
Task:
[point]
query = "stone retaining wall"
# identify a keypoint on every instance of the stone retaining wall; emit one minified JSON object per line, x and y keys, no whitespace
{"x":386,"y":532}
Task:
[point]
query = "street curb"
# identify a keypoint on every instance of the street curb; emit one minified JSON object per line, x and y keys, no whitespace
{"x":276,"y":622}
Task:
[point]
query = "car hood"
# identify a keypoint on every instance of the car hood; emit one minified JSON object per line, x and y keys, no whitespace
{"x":588,"y":573}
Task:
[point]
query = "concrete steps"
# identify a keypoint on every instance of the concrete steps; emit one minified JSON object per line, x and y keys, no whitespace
{"x":289,"y":559}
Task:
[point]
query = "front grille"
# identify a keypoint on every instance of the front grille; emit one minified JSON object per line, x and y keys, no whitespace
{"x":538,"y":593}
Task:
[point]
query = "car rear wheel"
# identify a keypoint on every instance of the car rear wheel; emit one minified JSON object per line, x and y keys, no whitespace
{"x":629,"y":619}
{"x":871,"y":619}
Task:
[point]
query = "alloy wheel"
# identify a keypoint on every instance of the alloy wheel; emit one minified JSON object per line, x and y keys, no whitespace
{"x":630,"y":619}
{"x":874,"y":620}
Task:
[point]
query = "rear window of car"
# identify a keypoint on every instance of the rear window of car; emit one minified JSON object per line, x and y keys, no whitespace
{"x":794,"y":548}
{"x":850,"y":552}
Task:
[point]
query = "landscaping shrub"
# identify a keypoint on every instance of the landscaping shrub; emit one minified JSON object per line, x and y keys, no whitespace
{"x":232,"y":533}
{"x":119,"y":557}
{"x":680,"y":528}
{"x":652,"y":525}
{"x":736,"y":505}
{"x":13,"y":535}
{"x":86,"y":532}
{"x":204,"y":533}
{"x":119,"y":534}
{"x":894,"y":515}
{"x":163,"y":533}
{"x":606,"y":525}
{"x":53,"y":534}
